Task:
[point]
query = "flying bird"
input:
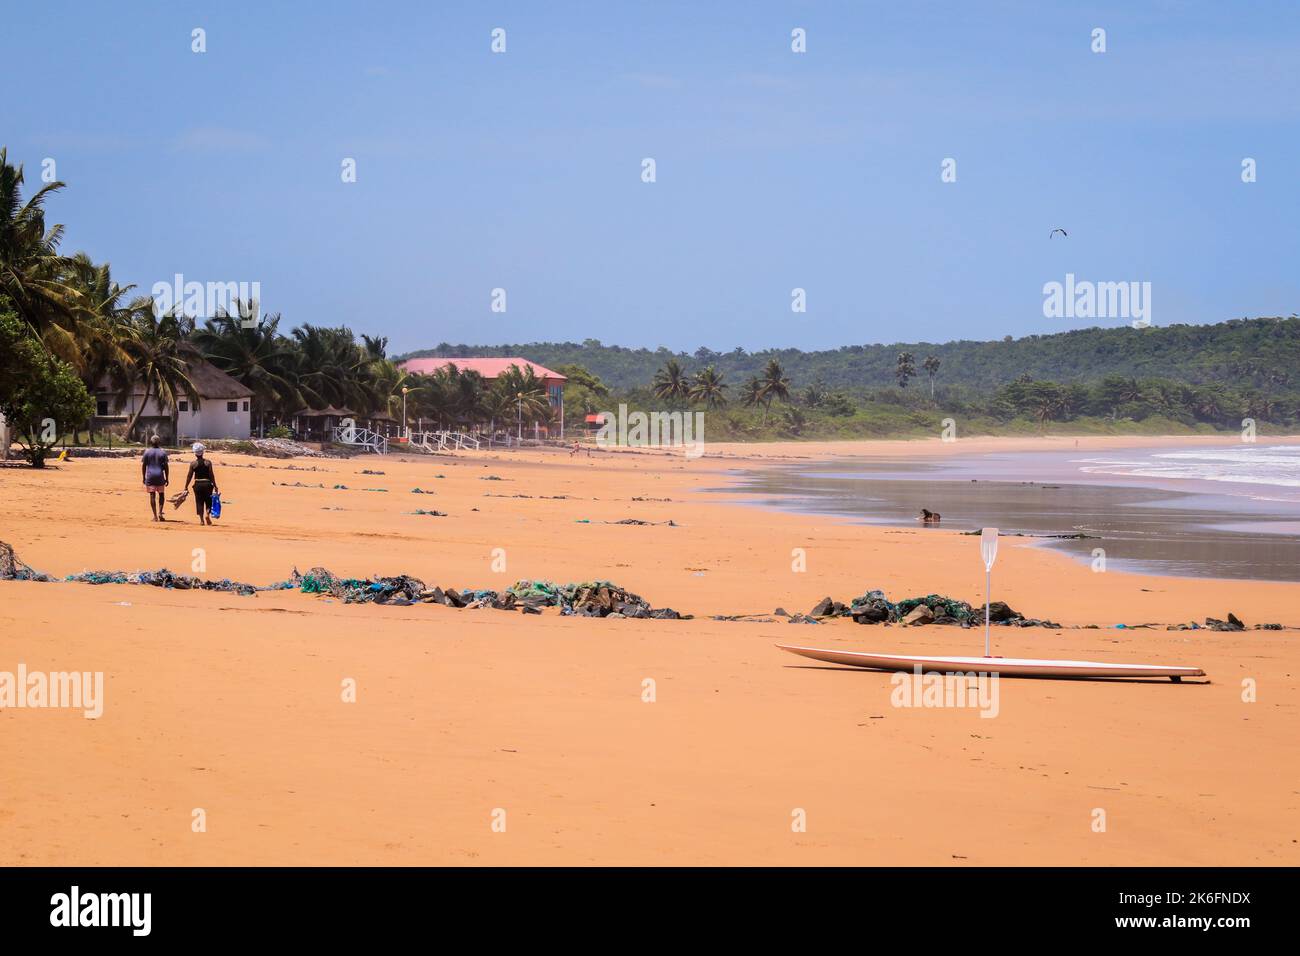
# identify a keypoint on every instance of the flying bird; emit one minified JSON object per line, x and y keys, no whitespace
{"x":1055,"y":231}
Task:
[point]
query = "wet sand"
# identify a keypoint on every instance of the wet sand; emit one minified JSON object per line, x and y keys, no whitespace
{"x":233,"y":704}
{"x":1141,"y":523}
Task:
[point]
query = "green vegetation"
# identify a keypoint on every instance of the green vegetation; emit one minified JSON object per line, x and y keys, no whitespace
{"x":39,"y":394}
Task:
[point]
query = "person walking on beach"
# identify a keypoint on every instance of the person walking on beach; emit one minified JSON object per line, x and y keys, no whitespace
{"x":155,"y":475}
{"x":205,"y":483}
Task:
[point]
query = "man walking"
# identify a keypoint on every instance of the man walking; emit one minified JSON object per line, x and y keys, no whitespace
{"x":153,"y":470}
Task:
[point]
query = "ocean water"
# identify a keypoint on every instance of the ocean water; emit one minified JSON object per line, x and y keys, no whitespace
{"x":1230,"y":511}
{"x":1275,"y":467}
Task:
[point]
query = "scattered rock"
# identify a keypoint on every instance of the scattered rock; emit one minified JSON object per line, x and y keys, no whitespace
{"x":919,"y":615}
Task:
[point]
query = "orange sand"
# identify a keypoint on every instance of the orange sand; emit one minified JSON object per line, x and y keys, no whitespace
{"x":233,"y":704}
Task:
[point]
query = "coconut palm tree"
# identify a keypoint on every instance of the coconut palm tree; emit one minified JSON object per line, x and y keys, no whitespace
{"x":670,"y":382}
{"x":709,"y":388}
{"x":256,"y":355}
{"x":529,"y":393}
{"x":775,"y":386}
{"x":160,"y":354}
{"x":31,"y":268}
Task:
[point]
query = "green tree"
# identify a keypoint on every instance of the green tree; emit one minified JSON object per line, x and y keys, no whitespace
{"x":931,"y":366}
{"x":31,"y":268}
{"x":904,"y":369}
{"x":160,"y":353}
{"x":670,"y":382}
{"x":708,"y":388}
{"x":41,"y":396}
{"x":775,"y":386}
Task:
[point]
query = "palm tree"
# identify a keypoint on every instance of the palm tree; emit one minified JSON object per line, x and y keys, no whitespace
{"x":334,"y":370}
{"x":257,"y":356}
{"x":709,"y":388}
{"x":931,"y":366}
{"x":670,"y":382}
{"x":160,"y":354}
{"x":752,"y":393}
{"x":31,"y":269}
{"x":775,"y":386}
{"x":905,"y":369}
{"x":529,"y":393}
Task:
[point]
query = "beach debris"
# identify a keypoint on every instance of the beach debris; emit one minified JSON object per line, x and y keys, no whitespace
{"x":178,"y":499}
{"x":421,"y":511}
{"x":296,"y":484}
{"x":590,"y":599}
{"x":1233,"y":623}
{"x":490,"y":478}
{"x":163,"y":578}
{"x":284,"y":448}
{"x":379,"y":590}
{"x":368,"y":471}
{"x":918,"y":615}
{"x":642,"y":523}
{"x":422,"y":491}
{"x":540,"y":497}
{"x":802,"y":619}
{"x":12,"y":569}
{"x":874,"y":608}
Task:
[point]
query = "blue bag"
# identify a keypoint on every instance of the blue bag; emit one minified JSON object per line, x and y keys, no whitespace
{"x":216,"y":505}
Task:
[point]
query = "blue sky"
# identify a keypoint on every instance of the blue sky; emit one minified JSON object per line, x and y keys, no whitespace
{"x":775,"y":170}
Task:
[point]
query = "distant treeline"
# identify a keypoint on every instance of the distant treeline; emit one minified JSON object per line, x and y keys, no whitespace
{"x":1243,"y":353}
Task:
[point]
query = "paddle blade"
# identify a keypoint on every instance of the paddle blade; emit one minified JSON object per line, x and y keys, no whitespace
{"x":989,"y":547}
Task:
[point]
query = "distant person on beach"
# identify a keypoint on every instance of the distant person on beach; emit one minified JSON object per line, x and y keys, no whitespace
{"x":205,"y":483}
{"x":154,"y":473}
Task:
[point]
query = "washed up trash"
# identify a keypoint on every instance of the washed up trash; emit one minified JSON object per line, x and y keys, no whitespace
{"x":163,"y":578}
{"x":284,"y":448}
{"x":874,"y":608}
{"x":1233,"y":623}
{"x":12,"y":569}
{"x":421,"y":491}
{"x":367,"y":471}
{"x":296,"y":484}
{"x":638,"y":521}
{"x":421,"y":511}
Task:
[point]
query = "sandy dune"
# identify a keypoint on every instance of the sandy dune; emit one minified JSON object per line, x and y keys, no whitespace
{"x":233,"y":705}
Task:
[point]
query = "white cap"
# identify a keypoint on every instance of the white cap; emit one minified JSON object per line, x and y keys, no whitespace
{"x":198,"y":448}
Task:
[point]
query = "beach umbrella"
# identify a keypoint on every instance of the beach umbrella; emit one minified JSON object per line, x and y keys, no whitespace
{"x":989,"y":552}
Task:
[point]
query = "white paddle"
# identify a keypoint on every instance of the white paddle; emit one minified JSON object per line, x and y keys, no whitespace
{"x":989,"y":551}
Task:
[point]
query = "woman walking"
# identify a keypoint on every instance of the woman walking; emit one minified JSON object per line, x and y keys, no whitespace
{"x":205,"y":483}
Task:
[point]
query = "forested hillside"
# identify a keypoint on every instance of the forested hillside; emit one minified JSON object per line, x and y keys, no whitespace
{"x":1261,"y":353}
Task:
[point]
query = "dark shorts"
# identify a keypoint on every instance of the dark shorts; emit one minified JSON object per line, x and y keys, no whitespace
{"x":202,"y":497}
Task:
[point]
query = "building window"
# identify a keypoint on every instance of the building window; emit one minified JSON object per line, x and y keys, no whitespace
{"x":245,"y":404}
{"x":183,"y":406}
{"x":232,"y":406}
{"x":101,"y":407}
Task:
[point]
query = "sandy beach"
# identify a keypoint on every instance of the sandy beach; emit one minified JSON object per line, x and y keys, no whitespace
{"x":233,"y":704}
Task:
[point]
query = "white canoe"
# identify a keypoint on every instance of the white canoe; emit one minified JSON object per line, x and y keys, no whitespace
{"x":1027,"y":667}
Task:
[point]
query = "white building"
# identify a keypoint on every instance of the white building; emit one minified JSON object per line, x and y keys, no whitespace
{"x":223,"y":409}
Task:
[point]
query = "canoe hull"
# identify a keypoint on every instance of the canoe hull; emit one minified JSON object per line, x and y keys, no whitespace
{"x":1009,"y":666}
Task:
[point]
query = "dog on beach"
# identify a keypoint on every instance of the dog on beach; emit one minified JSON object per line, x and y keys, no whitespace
{"x":929,"y":517}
